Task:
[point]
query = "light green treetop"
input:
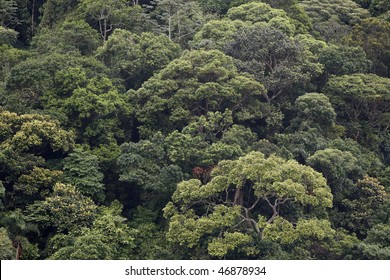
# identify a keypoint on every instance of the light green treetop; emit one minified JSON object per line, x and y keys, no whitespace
{"x":242,"y":203}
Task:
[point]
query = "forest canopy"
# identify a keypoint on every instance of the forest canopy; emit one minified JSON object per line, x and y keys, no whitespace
{"x":194,"y":129}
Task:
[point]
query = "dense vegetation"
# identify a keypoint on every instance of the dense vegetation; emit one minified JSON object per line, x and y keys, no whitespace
{"x":195,"y":129}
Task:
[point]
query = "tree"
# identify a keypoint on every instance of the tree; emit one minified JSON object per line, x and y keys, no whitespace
{"x":109,"y":238}
{"x":149,"y":238}
{"x":191,"y":86}
{"x":25,"y":143}
{"x":145,"y":164}
{"x":373,"y":36}
{"x":339,"y":168}
{"x":81,"y":169}
{"x":377,"y":244}
{"x":295,"y":11}
{"x":179,"y":19}
{"x":255,"y":12}
{"x":66,"y":209}
{"x":378,"y":7}
{"x":333,"y":19}
{"x":106,"y":15}
{"x":53,"y":11}
{"x":215,"y":6}
{"x":360,"y":102}
{"x":17,"y":228}
{"x":363,"y":205}
{"x":69,"y":36}
{"x":301,"y":144}
{"x":37,"y":183}
{"x":9,"y":57}
{"x":135,"y":58}
{"x":206,"y":141}
{"x":276,"y":60}
{"x":243,"y":204}
{"x":7,"y":251}
{"x":34,"y":77}
{"x":344,"y":60}
{"x":8,"y":13}
{"x":7,"y":36}
{"x":369,"y":161}
{"x":217,"y":33}
{"x":314,"y":110}
{"x":93,"y":107}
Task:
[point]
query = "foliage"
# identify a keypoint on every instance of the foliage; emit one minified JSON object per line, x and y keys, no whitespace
{"x":215,"y":34}
{"x":65,"y":209}
{"x":81,"y":169}
{"x":7,"y":36}
{"x":295,"y":11}
{"x":33,"y":77}
{"x":93,"y":107}
{"x":193,"y":85}
{"x":243,"y":202}
{"x":363,"y":205}
{"x":276,"y":60}
{"x":70,"y":36}
{"x":373,"y":36}
{"x":376,"y":245}
{"x":340,"y":168}
{"x":194,"y":129}
{"x":108,"y":238}
{"x":314,"y":111}
{"x":333,"y":19}
{"x":145,"y":164}
{"x":360,"y":102}
{"x":106,"y":15}
{"x":344,"y":60}
{"x":135,"y":58}
{"x":25,"y":142}
{"x":7,"y":252}
{"x":178,"y":19}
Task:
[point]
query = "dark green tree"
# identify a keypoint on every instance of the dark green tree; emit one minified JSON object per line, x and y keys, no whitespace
{"x":65,"y":209}
{"x":7,"y":251}
{"x":81,"y":169}
{"x":191,"y":86}
{"x":373,"y":36}
{"x":377,"y":244}
{"x":108,"y":238}
{"x":273,"y":58}
{"x":107,"y":15}
{"x":360,"y":101}
{"x":135,"y":58}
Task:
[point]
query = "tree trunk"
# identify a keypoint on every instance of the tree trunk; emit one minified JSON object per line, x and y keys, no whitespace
{"x":19,"y":250}
{"x":32,"y":18}
{"x":238,"y":197}
{"x":169,"y":28}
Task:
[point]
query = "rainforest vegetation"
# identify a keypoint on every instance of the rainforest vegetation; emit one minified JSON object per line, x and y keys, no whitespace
{"x":195,"y":129}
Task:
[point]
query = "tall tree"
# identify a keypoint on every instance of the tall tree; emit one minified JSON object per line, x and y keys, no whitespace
{"x":135,"y":58}
{"x":276,"y":60}
{"x":373,"y":35}
{"x":243,"y":205}
{"x":333,"y":19}
{"x":108,"y":238}
{"x":106,"y":15}
{"x":361,"y":102}
{"x":26,"y":141}
{"x":81,"y":169}
{"x":179,"y":19}
{"x":191,"y":86}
